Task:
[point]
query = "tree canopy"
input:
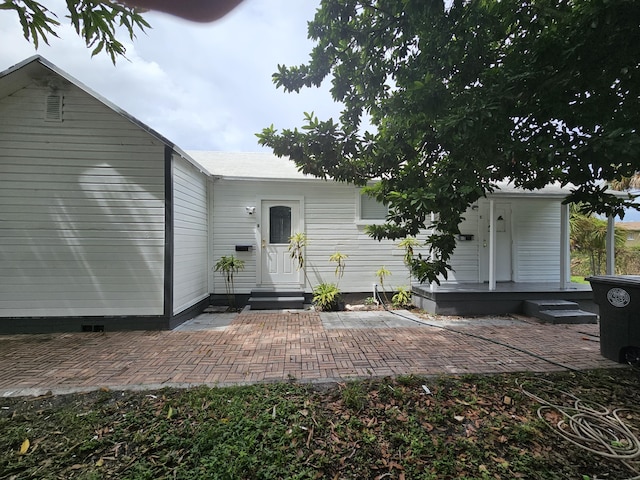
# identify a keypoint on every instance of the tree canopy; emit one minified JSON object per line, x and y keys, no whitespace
{"x":443,"y":101}
{"x":95,"y":21}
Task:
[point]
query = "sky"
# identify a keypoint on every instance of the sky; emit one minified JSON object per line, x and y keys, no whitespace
{"x":202,"y":86}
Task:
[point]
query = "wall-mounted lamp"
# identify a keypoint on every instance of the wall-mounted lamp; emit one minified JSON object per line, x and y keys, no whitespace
{"x":474,"y":207}
{"x":250,"y":210}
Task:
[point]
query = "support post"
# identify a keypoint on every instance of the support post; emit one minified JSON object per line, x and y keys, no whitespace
{"x":611,"y":246}
{"x":492,"y":246}
{"x":565,"y":250}
{"x":432,"y":285}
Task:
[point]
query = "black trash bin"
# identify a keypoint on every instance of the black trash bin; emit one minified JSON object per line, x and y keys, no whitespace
{"x":618,"y":299}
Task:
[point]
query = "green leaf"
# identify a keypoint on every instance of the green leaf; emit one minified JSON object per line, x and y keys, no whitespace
{"x":98,"y":48}
{"x":462,"y":97}
{"x":94,"y":21}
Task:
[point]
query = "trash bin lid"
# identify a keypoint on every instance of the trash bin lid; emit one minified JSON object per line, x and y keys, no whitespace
{"x":628,"y":280}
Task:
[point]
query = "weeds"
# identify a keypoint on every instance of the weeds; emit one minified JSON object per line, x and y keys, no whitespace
{"x":386,"y":428}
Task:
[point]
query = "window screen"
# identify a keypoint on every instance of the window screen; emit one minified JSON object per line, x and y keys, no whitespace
{"x":279,"y":224}
{"x":371,"y":209}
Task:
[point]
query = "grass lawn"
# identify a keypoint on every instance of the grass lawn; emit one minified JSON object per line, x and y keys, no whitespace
{"x":578,"y":279}
{"x":469,"y":427}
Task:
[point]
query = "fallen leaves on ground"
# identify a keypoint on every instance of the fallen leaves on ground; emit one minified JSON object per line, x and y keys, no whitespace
{"x":367,"y":429}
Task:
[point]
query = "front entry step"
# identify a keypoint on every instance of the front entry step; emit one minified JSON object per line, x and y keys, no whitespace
{"x":558,"y":311}
{"x":271,"y":300}
{"x":567,"y":316}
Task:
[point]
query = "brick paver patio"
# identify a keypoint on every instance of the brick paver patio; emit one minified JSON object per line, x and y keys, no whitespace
{"x":265,"y":346}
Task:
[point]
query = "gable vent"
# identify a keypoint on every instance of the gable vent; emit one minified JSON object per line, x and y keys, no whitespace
{"x":53,"y":108}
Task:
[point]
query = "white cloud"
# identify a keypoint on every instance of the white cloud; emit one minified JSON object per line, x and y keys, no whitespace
{"x":202,"y":86}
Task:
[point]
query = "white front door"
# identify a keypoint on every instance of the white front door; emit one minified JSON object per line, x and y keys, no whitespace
{"x":502,"y":218}
{"x":279,"y":220}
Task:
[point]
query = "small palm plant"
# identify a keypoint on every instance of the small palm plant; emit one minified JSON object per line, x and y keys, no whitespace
{"x":382,"y":273}
{"x":403,"y":296}
{"x":229,"y":266}
{"x":297,"y":242}
{"x":409,"y":244}
{"x":340,"y":259}
{"x":327,"y":296}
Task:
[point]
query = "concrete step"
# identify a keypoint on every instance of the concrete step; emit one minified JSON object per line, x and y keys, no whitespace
{"x":258,"y":292}
{"x":567,"y":316}
{"x":272,"y":300}
{"x":532,"y":307}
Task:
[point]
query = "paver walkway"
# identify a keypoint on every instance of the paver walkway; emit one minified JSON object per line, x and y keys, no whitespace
{"x":265,"y":346}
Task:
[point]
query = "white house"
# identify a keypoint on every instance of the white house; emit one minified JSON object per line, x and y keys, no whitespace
{"x":526,"y":258}
{"x":105,"y":224}
{"x":259,"y":201}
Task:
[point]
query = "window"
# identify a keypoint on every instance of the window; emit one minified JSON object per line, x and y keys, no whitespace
{"x":279,"y":224}
{"x":369,"y":210}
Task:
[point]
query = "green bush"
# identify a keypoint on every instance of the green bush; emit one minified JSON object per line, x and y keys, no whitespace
{"x":402,"y":298}
{"x":628,"y":261}
{"x":327,"y":297}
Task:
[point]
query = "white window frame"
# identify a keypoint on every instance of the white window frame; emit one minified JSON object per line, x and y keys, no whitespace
{"x":364,"y":221}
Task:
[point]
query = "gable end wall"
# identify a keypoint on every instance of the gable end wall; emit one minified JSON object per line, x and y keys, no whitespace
{"x":82,"y":210}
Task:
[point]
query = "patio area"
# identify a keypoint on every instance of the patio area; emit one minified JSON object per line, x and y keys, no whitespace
{"x":307,"y":346}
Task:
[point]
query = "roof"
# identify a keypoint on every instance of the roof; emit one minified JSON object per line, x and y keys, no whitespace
{"x":37,"y":69}
{"x":249,"y":165}
{"x":551,"y":190}
{"x":266,"y":165}
{"x":633,"y":226}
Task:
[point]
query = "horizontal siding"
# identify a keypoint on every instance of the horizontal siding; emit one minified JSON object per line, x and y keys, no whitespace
{"x":329,"y":217}
{"x":233,"y":226}
{"x":536,"y":227}
{"x":464,"y":261}
{"x":81,"y":210}
{"x":191,"y":233}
